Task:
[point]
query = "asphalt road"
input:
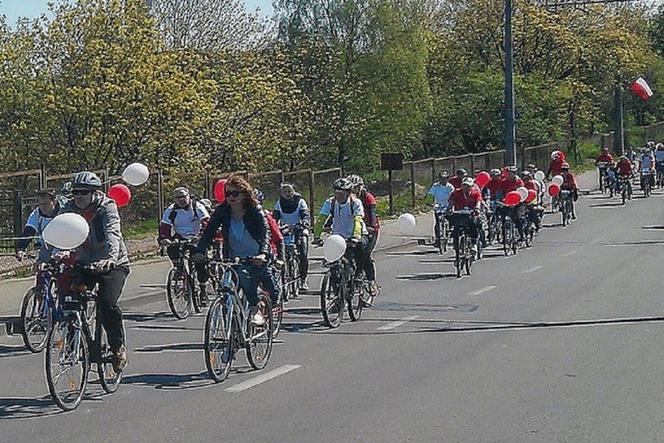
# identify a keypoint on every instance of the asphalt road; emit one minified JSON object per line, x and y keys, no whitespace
{"x":561,"y":343}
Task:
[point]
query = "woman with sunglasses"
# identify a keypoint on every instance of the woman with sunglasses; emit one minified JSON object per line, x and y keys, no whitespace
{"x":246,"y":234}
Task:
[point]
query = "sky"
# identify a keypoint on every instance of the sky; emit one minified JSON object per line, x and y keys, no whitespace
{"x":34,"y":8}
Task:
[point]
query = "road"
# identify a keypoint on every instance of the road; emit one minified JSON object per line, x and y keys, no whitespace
{"x":559,"y":343}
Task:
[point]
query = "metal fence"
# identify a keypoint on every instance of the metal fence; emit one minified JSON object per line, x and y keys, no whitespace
{"x":18,"y":189}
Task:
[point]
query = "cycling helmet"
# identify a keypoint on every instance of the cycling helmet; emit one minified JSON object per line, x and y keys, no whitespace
{"x":342,"y":184}
{"x":495,"y":172}
{"x":444,"y":174}
{"x":461,"y":172}
{"x":258,"y":194}
{"x":512,"y":169}
{"x":526,"y":174}
{"x":86,"y":180}
{"x":650,"y":144}
{"x":565,"y":166}
{"x":356,"y":180}
{"x":660,"y":147}
{"x":180,"y":191}
{"x":287,"y":186}
{"x":468,"y":181}
{"x":66,"y":189}
{"x":605,"y":149}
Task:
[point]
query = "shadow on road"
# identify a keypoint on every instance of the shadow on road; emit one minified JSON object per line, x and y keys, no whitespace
{"x":408,"y":253}
{"x":7,"y":351}
{"x":426,"y":276}
{"x":21,"y":407}
{"x":297,"y":327}
{"x":176,"y":382}
{"x":175,"y":347}
{"x":166,"y":328}
{"x":607,"y":205}
{"x":426,"y":307}
{"x":302,"y":311}
{"x":632,"y":243}
{"x":141,"y":317}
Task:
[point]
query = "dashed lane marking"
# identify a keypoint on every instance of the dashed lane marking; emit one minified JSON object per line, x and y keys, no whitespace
{"x":396,"y":324}
{"x":248,"y":384}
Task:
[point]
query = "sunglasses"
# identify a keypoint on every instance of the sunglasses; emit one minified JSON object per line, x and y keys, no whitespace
{"x":81,"y":192}
{"x":234,"y":194}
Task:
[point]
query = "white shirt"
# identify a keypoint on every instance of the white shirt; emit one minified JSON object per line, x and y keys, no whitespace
{"x":441,"y":193}
{"x":343,"y":217}
{"x":293,"y":218}
{"x":646,"y":162}
{"x":38,"y":222}
{"x":186,"y":223}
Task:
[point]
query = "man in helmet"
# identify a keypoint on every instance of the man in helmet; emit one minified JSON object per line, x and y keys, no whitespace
{"x":183,"y":219}
{"x":459,"y":175}
{"x":40,"y":217}
{"x":292,"y":210}
{"x":347,"y":220}
{"x":510,"y":183}
{"x":441,"y":192}
{"x":659,"y":162}
{"x":647,"y":166}
{"x":492,"y":188}
{"x":467,"y":197}
{"x":106,"y":252}
{"x":569,"y":184}
{"x":557,"y":160}
{"x":371,"y":221}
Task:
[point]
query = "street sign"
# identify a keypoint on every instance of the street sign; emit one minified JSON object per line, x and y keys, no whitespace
{"x":391,"y":162}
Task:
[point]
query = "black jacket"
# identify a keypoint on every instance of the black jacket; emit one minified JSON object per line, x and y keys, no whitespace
{"x":254,"y":220}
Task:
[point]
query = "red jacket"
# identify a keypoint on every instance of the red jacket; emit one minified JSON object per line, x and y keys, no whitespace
{"x":509,"y":185}
{"x":604,"y":157}
{"x":624,"y":167}
{"x":460,"y":200}
{"x":493,"y":186}
{"x":276,"y":237}
{"x":455,"y":181}
{"x":370,"y":212}
{"x":569,"y":182}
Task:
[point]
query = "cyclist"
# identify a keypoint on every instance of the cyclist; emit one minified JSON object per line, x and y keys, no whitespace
{"x":246,"y":234}
{"x":467,"y":197}
{"x":511,"y":182}
{"x":459,"y":175}
{"x":440,"y":191}
{"x":517,"y":213}
{"x":659,"y":159}
{"x":569,"y":184}
{"x":347,"y":219}
{"x":372,"y":223}
{"x":292,"y":210}
{"x":529,"y":181}
{"x":647,"y":164}
{"x":105,"y":250}
{"x":492,"y":188}
{"x":184,"y":218}
{"x":604,"y":156}
{"x":40,"y":217}
{"x":557,"y":160}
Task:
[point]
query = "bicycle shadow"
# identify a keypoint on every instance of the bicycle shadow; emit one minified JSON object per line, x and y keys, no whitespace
{"x":607,"y":205}
{"x":166,"y":328}
{"x":174,"y":347}
{"x":25,"y":408}
{"x":297,"y":327}
{"x":426,"y":307}
{"x":140,"y":317}
{"x":8,"y":351}
{"x":424,"y":276}
{"x":177,"y":382}
{"x":302,"y":311}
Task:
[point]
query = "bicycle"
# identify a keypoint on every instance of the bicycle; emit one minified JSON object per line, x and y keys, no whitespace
{"x":461,"y":241}
{"x":442,"y":228}
{"x":495,"y":224}
{"x":228,"y":327}
{"x":73,"y":343}
{"x":625,"y":187}
{"x":292,"y":274}
{"x":659,"y":167}
{"x":509,"y":235}
{"x":181,"y":286}
{"x":566,"y":206}
{"x":646,"y":183}
{"x":344,"y":285}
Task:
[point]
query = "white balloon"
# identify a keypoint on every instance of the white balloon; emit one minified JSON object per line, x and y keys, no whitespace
{"x":66,"y":231}
{"x":334,"y":247}
{"x":407,"y":223}
{"x":558,"y":179}
{"x":539,"y":175}
{"x":136,"y":174}
{"x":523,"y":192}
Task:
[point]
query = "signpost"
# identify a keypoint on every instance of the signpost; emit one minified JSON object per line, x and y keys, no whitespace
{"x":391,"y":162}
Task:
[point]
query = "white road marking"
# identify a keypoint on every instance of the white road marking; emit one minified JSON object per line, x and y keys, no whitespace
{"x":153,"y":285}
{"x":396,"y":324}
{"x":568,"y":254}
{"x":597,"y":240}
{"x":482,"y":290}
{"x":248,"y":384}
{"x":533,"y":269}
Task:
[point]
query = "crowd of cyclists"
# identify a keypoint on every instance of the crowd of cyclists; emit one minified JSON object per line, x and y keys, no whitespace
{"x":504,"y":206}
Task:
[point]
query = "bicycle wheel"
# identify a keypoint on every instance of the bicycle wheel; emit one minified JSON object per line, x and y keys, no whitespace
{"x":259,"y":343}
{"x":294,"y":277}
{"x":35,"y":323}
{"x":507,"y":240}
{"x":110,"y":380}
{"x":177,"y":293}
{"x":355,"y":300}
{"x":331,"y":301}
{"x":67,"y":363}
{"x":459,"y":255}
{"x":218,"y":341}
{"x":530,"y":233}
{"x":441,"y":235}
{"x":277,"y":316}
{"x":469,"y":258}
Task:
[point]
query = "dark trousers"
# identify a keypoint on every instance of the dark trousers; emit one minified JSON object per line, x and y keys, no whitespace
{"x":302,"y":242}
{"x":362,"y":256}
{"x":370,"y":264}
{"x":111,"y":285}
{"x":173,"y":252}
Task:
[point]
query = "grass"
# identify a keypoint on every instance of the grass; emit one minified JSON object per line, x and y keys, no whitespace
{"x":141,"y":229}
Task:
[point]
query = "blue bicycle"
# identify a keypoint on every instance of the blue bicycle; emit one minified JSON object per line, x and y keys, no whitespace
{"x":39,"y":308}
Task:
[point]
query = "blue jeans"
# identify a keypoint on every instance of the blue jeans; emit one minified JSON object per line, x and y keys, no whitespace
{"x":251,"y":276}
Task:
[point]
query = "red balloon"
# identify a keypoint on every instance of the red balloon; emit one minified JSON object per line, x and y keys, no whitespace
{"x":554,"y":189}
{"x":482,"y":179}
{"x":532,"y":195}
{"x":121,"y":194}
{"x":512,"y":198}
{"x":220,"y":191}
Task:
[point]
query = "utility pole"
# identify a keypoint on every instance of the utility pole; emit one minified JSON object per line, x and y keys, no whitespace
{"x":509,"y":135}
{"x":619,"y":118}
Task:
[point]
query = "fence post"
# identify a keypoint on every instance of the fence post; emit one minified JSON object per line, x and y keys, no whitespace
{"x":433,"y":170}
{"x":282,"y":179}
{"x":160,"y":194}
{"x":107,"y":179}
{"x":42,"y":177}
{"x":18,"y":213}
{"x":312,"y":199}
{"x":206,"y":193}
{"x":412,"y":185}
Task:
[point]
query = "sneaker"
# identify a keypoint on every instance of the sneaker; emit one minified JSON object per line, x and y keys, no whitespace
{"x":304,"y":286}
{"x":256,"y":316}
{"x":120,"y":359}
